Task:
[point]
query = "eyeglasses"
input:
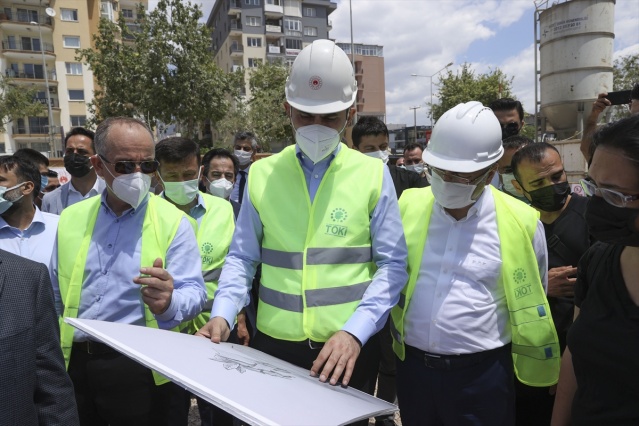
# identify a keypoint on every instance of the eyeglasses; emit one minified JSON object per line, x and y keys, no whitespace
{"x":451,"y":177}
{"x":243,"y":148}
{"x":510,"y":126}
{"x":615,"y":198}
{"x":128,"y":167}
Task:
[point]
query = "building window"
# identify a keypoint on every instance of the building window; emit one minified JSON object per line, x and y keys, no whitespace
{"x":106,"y":10}
{"x":78,"y":120}
{"x":294,"y":44}
{"x":252,"y":2}
{"x":71,"y":41}
{"x":254,"y":21}
{"x":310,"y":12}
{"x":310,"y":31}
{"x":74,"y":68}
{"x":293,"y":27}
{"x":40,"y":146}
{"x":2,"y":148}
{"x":254,"y":42}
{"x":38,"y":125}
{"x":254,"y":62}
{"x":76,"y":95}
{"x":69,"y":14}
{"x":274,"y":2}
{"x":127,"y":13}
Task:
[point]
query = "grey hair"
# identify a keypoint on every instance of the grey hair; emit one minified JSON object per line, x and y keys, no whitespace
{"x":243,"y":136}
{"x":102,"y":132}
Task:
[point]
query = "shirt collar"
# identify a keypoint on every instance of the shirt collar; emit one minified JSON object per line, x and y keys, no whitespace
{"x":142,"y":205}
{"x":200,"y":204}
{"x":96,"y":187}
{"x":37,"y":218}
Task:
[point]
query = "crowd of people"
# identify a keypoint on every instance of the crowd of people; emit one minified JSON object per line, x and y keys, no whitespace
{"x":466,"y":282}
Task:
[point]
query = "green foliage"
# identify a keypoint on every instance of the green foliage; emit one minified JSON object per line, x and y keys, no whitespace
{"x":266,"y":107}
{"x":17,"y":102}
{"x":161,"y":71}
{"x":465,"y":86}
{"x":625,"y":74}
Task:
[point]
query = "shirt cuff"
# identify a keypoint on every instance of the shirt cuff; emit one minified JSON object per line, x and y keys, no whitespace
{"x":170,"y":314}
{"x":360,"y":326}
{"x":225,"y":309}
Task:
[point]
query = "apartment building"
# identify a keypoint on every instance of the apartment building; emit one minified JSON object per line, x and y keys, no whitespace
{"x":247,"y":32}
{"x":369,"y":73}
{"x":39,"y":50}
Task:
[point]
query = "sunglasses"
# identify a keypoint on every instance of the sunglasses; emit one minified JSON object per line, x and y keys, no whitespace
{"x":128,"y":167}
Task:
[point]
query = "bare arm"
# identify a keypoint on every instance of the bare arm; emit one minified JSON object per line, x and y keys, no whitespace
{"x":561,"y":414}
{"x":591,"y":124}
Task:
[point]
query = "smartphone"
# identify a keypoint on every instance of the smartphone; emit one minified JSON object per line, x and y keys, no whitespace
{"x":621,"y":97}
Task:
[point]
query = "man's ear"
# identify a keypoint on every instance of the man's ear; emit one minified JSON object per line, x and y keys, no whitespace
{"x":98,"y":166}
{"x":287,"y":108}
{"x":351,"y":116}
{"x":28,"y":187}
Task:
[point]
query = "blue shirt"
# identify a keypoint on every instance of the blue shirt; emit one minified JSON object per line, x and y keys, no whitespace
{"x":198,"y":211}
{"x":388,"y":247}
{"x":108,"y":290}
{"x":235,"y":194}
{"x":35,"y":242}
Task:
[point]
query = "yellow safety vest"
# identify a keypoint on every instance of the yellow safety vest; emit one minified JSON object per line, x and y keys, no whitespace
{"x":535,"y":347}
{"x":214,"y":236}
{"x":316,"y":257}
{"x":75,"y":230}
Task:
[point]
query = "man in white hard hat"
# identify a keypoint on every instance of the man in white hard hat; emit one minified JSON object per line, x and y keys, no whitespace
{"x":324,"y":221}
{"x":474,"y":306}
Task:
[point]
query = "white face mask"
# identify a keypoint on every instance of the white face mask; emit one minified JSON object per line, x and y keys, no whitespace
{"x":220,"y":188}
{"x":508,"y":186}
{"x":317,"y":141}
{"x":417,"y":168}
{"x":181,"y":193}
{"x":243,"y":157}
{"x":5,"y":204}
{"x":452,"y":195}
{"x":382,"y":155}
{"x":131,"y":188}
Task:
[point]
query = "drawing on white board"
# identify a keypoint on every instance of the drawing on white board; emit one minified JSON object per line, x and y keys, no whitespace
{"x":233,"y":363}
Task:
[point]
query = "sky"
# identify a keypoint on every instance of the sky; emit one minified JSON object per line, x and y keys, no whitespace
{"x":422,"y":36}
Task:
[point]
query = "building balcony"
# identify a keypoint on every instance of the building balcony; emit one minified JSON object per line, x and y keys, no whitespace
{"x":18,"y":49}
{"x":35,"y":131}
{"x":236,"y":68}
{"x":273,"y":49}
{"x":31,"y":75}
{"x":11,"y":20}
{"x":236,"y":50}
{"x":274,"y":31}
{"x":236,"y":28}
{"x":273,"y":11}
{"x":235,"y":7}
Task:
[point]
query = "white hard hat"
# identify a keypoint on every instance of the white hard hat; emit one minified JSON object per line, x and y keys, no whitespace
{"x":322,"y":80}
{"x":467,"y":138}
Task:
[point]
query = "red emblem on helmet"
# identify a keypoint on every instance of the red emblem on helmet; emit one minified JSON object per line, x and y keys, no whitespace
{"x":315,"y":82}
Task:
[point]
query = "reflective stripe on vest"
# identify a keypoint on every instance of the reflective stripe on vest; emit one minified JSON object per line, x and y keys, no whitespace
{"x":316,"y":258}
{"x":535,"y":345}
{"x":214,"y":234}
{"x":75,"y":230}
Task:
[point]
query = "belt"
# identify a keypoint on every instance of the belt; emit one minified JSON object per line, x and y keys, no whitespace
{"x":454,"y":362}
{"x":92,"y":348}
{"x":311,"y":343}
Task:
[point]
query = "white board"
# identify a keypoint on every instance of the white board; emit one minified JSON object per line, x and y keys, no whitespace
{"x":254,"y":387}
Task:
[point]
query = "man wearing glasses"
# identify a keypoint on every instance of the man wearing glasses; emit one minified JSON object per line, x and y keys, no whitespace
{"x":474,"y":308}
{"x":120,"y":257}
{"x":540,"y":177}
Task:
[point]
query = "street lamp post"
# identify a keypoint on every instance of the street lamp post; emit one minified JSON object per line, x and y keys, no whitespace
{"x":51,"y":13}
{"x":415,"y":108}
{"x":431,"y":89}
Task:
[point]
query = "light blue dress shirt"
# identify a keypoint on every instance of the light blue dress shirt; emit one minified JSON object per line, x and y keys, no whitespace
{"x":388,"y":247}
{"x":35,"y":242}
{"x":196,"y":212}
{"x":108,"y":290}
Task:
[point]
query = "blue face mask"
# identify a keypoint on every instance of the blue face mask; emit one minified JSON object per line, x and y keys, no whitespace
{"x":4,"y":203}
{"x":44,"y":180}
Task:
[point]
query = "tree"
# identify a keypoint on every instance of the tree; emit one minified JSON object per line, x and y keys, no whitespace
{"x":17,"y":102}
{"x":266,"y":107}
{"x":465,"y":86}
{"x":625,"y":74}
{"x":163,"y":71}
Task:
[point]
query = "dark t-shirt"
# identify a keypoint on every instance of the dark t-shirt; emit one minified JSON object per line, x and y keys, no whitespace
{"x":571,"y":229}
{"x":604,"y":342}
{"x":405,"y":179}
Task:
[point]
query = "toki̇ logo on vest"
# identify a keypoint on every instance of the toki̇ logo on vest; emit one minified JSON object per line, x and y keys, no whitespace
{"x":519,"y":276}
{"x":338,"y":215}
{"x":206,"y":250}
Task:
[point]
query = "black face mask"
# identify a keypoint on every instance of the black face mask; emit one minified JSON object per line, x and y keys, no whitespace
{"x":508,"y":130}
{"x":550,"y":198}
{"x":77,"y":165}
{"x":611,"y":224}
